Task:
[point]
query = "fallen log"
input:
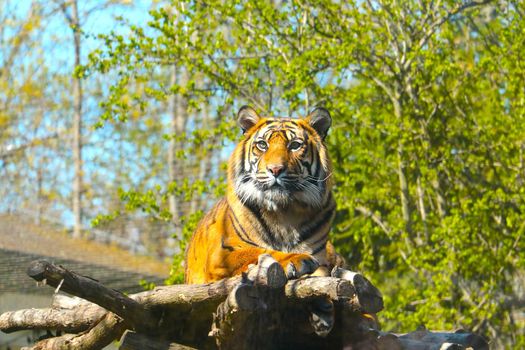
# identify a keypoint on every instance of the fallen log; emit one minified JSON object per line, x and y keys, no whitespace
{"x":69,"y":321}
{"x":260,"y":309}
{"x":89,"y":289}
{"x":103,"y":333}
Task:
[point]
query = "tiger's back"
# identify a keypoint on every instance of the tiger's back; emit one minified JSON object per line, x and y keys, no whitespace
{"x":278,"y":201}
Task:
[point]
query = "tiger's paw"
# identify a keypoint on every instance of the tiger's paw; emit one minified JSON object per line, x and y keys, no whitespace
{"x":300,"y":264}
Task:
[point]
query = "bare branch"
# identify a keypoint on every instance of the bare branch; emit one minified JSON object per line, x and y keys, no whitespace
{"x":376,"y":218}
{"x":106,"y":331}
{"x":439,"y":22}
{"x":11,"y":151}
{"x":71,"y":321}
{"x":93,"y":291}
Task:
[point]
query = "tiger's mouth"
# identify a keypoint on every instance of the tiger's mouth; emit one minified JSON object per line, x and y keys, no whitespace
{"x":278,"y":184}
{"x":278,"y":192}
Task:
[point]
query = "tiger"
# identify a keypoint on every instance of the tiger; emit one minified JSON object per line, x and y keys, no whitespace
{"x":278,"y":201}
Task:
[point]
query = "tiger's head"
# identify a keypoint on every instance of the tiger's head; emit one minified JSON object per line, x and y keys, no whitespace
{"x":281,"y":161}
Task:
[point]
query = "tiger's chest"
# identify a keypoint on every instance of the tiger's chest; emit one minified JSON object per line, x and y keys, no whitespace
{"x":289,"y":231}
{"x":284,"y":236}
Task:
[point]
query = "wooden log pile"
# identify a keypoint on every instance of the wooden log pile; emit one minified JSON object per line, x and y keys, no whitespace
{"x":258,"y":310}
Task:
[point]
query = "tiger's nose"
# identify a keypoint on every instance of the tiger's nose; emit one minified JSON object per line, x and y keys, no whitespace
{"x":276,"y":169}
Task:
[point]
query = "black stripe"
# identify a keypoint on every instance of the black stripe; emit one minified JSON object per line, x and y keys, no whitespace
{"x":243,"y":159}
{"x":243,"y":236}
{"x":241,"y":169}
{"x":329,"y":199}
{"x":313,"y":151}
{"x":308,"y":233}
{"x":294,"y":135}
{"x":307,"y":163}
{"x":270,"y":129}
{"x":321,"y":247}
{"x":317,"y":161}
{"x":227,"y":247}
{"x":323,"y":240}
{"x":214,"y":211}
{"x":253,"y":152}
{"x":308,"y":166}
{"x":267,"y":235}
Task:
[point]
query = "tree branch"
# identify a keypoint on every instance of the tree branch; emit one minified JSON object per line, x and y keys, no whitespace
{"x":439,"y":22}
{"x":93,"y":291}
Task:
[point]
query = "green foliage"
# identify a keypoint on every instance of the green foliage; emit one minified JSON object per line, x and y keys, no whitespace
{"x":147,"y":285}
{"x":427,"y":142}
{"x":189,"y":225}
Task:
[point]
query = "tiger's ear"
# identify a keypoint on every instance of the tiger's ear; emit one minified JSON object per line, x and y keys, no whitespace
{"x":320,"y":120}
{"x":247,"y":117}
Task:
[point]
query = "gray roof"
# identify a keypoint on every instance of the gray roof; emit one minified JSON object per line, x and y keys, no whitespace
{"x":21,"y":241}
{"x":13,"y":277}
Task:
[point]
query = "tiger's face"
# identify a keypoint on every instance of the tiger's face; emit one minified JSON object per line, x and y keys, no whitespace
{"x":281,"y":161}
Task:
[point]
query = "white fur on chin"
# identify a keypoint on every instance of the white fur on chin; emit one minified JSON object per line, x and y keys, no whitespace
{"x":275,"y":199}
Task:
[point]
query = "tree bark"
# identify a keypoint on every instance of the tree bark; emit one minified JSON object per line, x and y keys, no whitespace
{"x":77,"y":125}
{"x":132,"y":341}
{"x":93,"y":291}
{"x":111,"y":327}
{"x":70,"y":321}
{"x":177,"y":127}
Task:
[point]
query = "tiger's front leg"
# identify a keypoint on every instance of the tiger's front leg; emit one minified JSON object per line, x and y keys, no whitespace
{"x":235,"y":262}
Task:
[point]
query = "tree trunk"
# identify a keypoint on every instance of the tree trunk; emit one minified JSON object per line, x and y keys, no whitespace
{"x":77,"y":126}
{"x":401,"y":173}
{"x":177,"y":127}
{"x":205,"y":161}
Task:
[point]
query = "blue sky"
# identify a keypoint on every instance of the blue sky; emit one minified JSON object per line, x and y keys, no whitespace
{"x":57,"y":52}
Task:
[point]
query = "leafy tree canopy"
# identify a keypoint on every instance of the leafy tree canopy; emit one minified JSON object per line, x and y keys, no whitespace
{"x":428,"y":138}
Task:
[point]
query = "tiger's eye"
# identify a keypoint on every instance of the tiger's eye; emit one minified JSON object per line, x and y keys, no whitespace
{"x":262,"y":145}
{"x":295,"y":145}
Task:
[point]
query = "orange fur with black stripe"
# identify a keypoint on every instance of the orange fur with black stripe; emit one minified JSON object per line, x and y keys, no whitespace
{"x":278,"y":201}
